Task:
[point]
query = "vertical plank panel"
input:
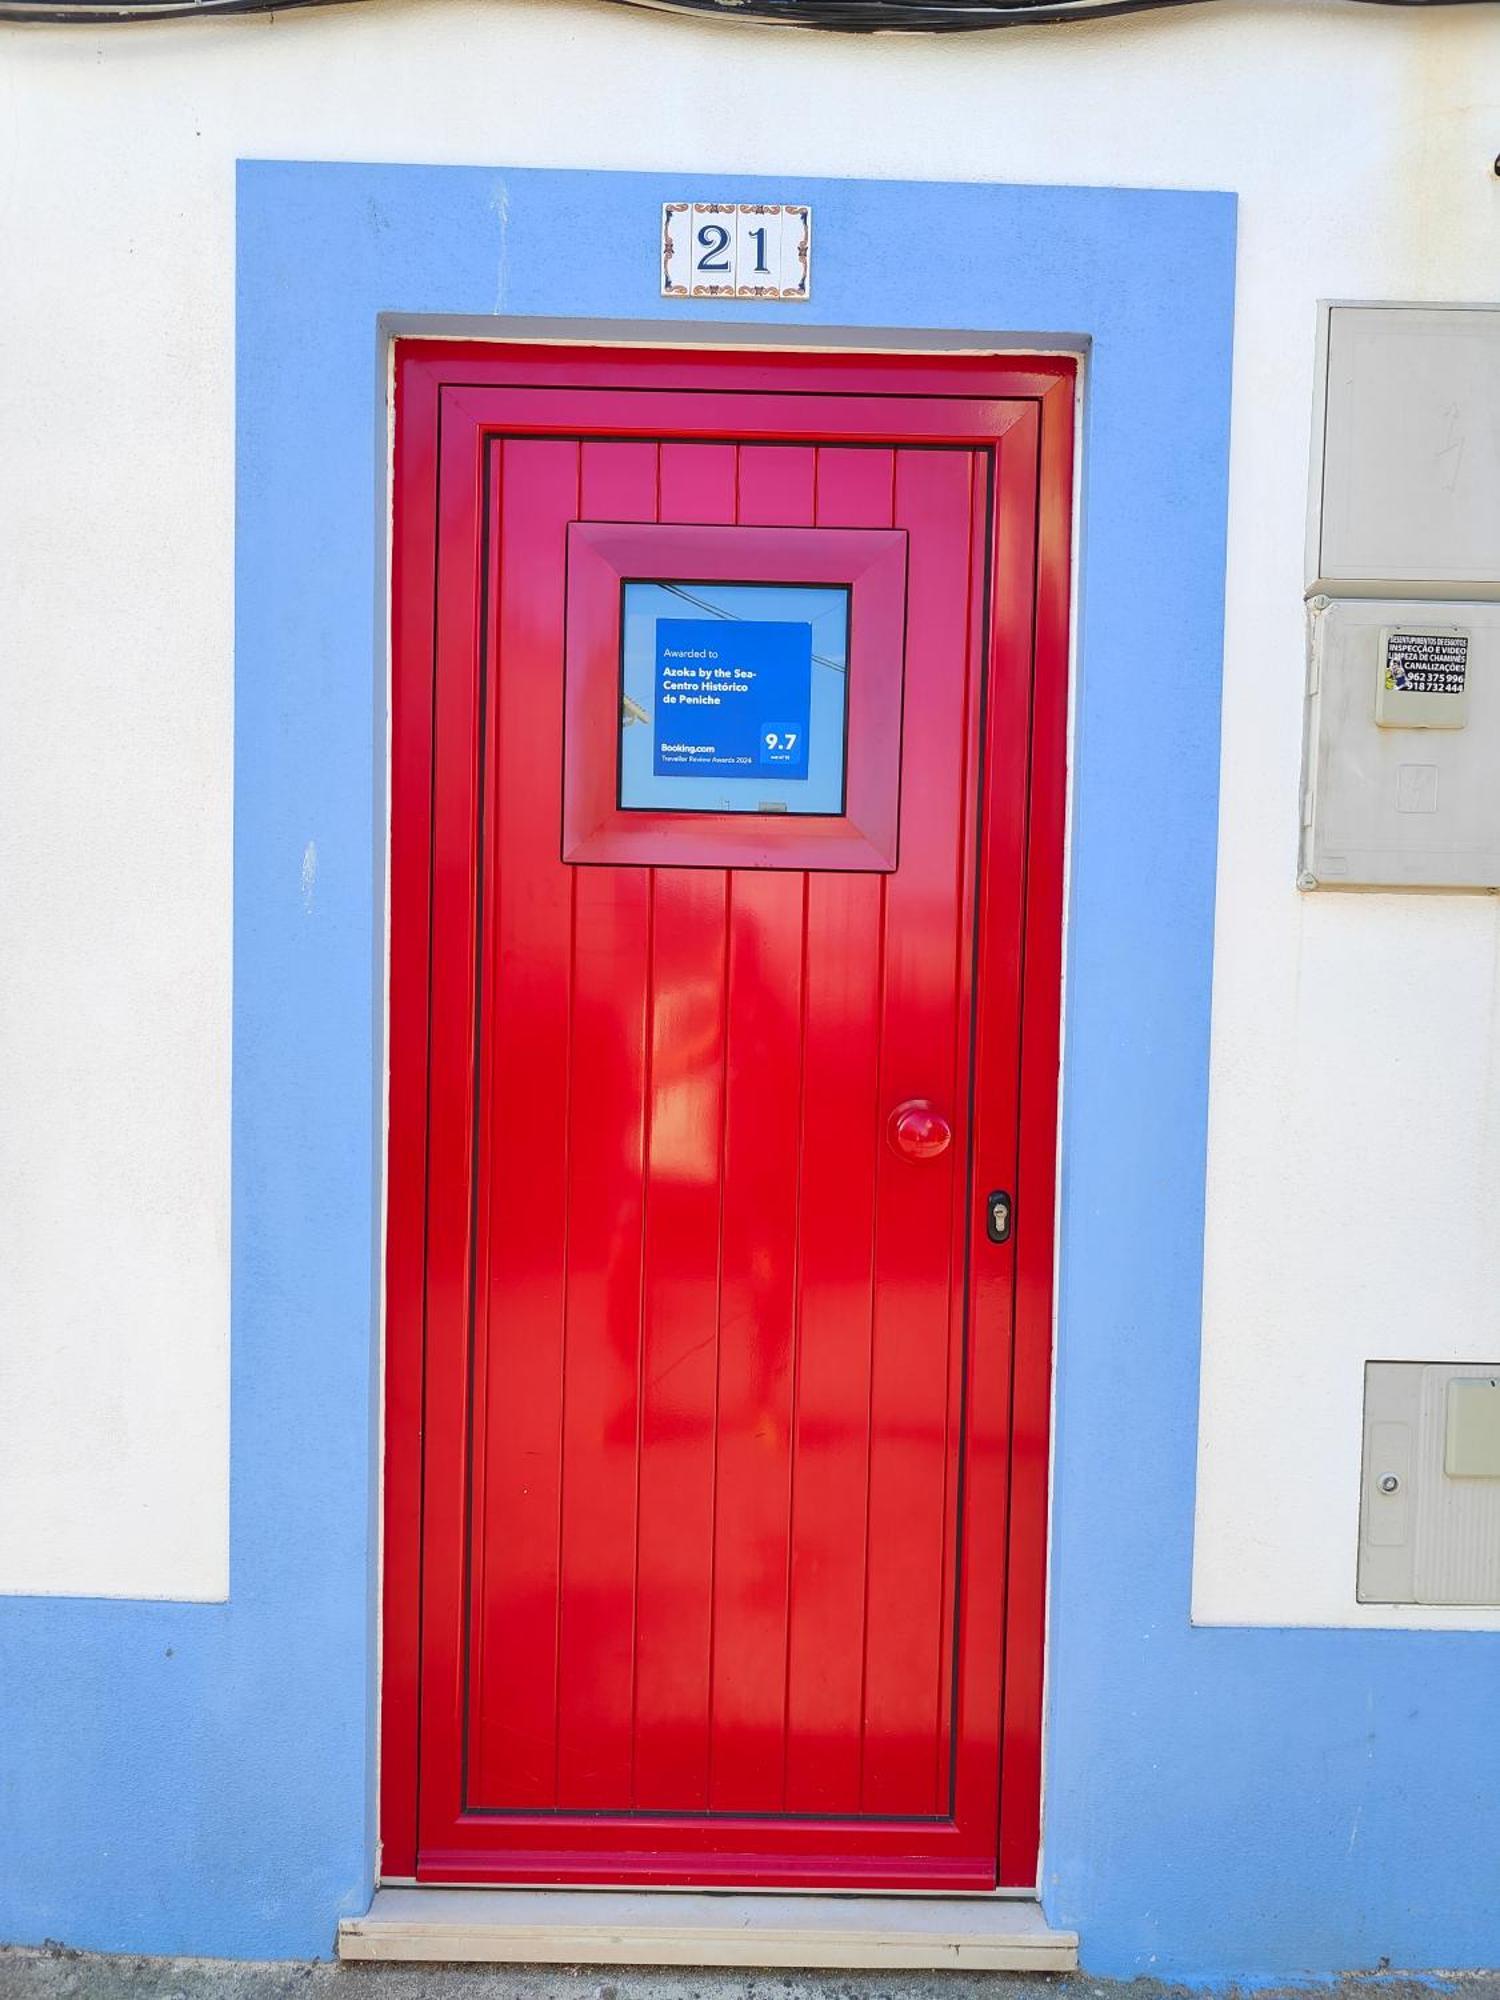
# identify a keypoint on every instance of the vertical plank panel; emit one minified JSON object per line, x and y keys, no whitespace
{"x":758,"y":1332}
{"x":911,"y":1438}
{"x":522,"y":1167}
{"x":842,"y":1141}
{"x":606,"y":1147}
{"x":680,"y":1276}
{"x":619,"y":480}
{"x":698,"y":482}
{"x":679,"y":1344}
{"x":856,"y":486}
{"x":777,"y":485}
{"x":758,"y":1325}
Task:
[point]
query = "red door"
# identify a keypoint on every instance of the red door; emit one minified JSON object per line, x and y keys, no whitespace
{"x":717,"y":1419}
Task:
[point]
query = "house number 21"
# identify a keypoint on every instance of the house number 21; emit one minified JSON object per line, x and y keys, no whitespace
{"x":736,"y":250}
{"x":716,"y":250}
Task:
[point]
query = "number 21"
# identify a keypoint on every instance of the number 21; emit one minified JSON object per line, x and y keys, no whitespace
{"x":713,"y":250}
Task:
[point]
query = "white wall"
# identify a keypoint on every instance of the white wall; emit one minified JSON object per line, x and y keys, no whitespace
{"x":1360,"y":140}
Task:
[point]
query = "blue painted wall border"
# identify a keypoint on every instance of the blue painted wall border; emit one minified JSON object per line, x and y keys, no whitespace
{"x":1219,"y":1803}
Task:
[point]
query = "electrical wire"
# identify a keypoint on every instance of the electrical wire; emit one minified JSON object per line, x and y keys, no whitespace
{"x":934,"y":17}
{"x":837,"y":16}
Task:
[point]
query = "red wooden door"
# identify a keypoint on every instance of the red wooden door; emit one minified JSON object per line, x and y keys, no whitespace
{"x":712,"y":1415}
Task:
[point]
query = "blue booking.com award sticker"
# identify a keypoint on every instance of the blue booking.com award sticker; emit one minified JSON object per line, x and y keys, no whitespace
{"x":733,"y":698}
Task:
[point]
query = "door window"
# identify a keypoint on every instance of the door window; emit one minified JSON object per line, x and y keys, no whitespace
{"x":733,"y":697}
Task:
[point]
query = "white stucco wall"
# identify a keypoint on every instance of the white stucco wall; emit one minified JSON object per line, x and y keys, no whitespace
{"x":1360,"y":142}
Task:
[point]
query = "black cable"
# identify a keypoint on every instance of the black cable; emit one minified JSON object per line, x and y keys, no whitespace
{"x":860,"y":17}
{"x":90,"y":13}
{"x":934,"y":17}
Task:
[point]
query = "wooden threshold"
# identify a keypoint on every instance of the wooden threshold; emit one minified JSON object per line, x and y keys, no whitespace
{"x":636,"y":1927}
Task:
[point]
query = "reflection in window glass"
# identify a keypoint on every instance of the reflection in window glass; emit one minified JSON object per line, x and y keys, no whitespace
{"x":734,"y":697}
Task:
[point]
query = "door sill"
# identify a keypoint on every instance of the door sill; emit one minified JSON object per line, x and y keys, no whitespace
{"x":635,"y":1927}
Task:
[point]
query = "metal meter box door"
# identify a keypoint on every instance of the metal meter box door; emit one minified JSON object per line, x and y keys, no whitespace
{"x":1430,"y":1497}
{"x":729,"y":708}
{"x":1402,"y":781}
{"x":1403,"y":567}
{"x":1407,"y":483}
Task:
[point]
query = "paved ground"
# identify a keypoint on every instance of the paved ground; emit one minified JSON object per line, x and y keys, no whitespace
{"x":55,"y":1974}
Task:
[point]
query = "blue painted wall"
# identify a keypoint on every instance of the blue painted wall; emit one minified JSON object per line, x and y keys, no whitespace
{"x":1220,"y":1803}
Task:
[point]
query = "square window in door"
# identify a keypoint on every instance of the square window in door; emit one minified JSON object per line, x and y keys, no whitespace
{"x":733,"y":696}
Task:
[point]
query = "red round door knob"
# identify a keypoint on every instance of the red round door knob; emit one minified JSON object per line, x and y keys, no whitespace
{"x":919,"y":1131}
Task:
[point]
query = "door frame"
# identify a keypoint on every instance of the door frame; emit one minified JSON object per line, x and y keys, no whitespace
{"x":951,"y":398}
